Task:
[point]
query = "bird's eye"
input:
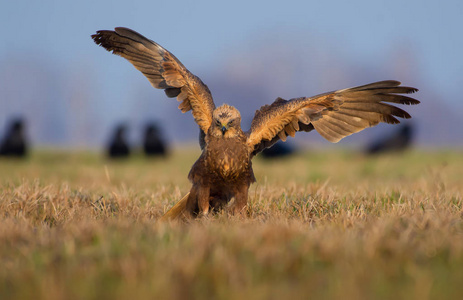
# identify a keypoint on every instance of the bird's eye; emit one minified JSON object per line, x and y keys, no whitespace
{"x":217,"y":122}
{"x":231,"y":122}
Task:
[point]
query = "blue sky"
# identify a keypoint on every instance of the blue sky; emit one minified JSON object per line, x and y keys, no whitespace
{"x":365,"y":28}
{"x":204,"y":33}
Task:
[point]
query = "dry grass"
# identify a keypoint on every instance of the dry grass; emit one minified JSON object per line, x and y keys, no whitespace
{"x":331,"y":225}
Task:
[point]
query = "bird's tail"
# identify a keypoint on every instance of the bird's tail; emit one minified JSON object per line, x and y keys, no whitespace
{"x":176,"y":211}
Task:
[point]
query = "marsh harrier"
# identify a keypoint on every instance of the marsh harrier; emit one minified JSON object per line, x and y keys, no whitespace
{"x":224,"y":169}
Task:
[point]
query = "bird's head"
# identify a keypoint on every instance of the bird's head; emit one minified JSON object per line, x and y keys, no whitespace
{"x":226,"y":122}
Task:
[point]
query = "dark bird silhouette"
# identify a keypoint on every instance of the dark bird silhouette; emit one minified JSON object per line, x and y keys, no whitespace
{"x":224,"y":170}
{"x":400,"y":140}
{"x":14,"y":143}
{"x":153,"y":142}
{"x":118,"y":146}
{"x":280,"y":149}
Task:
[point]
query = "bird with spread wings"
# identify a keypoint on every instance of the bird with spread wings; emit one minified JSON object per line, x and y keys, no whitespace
{"x":224,"y":170}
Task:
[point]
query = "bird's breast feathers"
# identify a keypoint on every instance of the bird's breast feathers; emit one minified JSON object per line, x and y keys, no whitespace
{"x":228,"y":159}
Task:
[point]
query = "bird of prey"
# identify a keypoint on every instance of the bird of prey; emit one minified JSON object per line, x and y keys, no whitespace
{"x":224,"y":170}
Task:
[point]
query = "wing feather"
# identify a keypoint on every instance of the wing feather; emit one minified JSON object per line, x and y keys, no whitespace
{"x":328,"y":132}
{"x":334,"y":115}
{"x":162,"y":69}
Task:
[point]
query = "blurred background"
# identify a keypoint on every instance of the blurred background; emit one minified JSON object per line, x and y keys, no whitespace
{"x":70,"y":93}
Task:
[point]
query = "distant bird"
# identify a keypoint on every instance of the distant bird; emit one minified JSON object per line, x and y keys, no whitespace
{"x":280,"y":149}
{"x":400,"y":140}
{"x":118,"y":147}
{"x":153,"y":143}
{"x":14,"y":142}
{"x":224,"y":169}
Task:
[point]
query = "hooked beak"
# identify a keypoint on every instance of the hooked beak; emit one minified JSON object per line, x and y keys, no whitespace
{"x":224,"y":128}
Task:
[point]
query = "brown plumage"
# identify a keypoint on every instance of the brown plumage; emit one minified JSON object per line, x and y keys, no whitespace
{"x":224,"y":169}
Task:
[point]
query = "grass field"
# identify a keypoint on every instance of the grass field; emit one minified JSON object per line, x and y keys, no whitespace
{"x":319,"y":225}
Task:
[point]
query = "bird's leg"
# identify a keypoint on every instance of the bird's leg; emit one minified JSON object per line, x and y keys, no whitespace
{"x":192,"y":201}
{"x":241,"y":199}
{"x":203,"y":200}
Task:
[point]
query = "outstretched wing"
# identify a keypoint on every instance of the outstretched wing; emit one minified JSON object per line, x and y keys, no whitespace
{"x":334,"y":115}
{"x":162,"y":69}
